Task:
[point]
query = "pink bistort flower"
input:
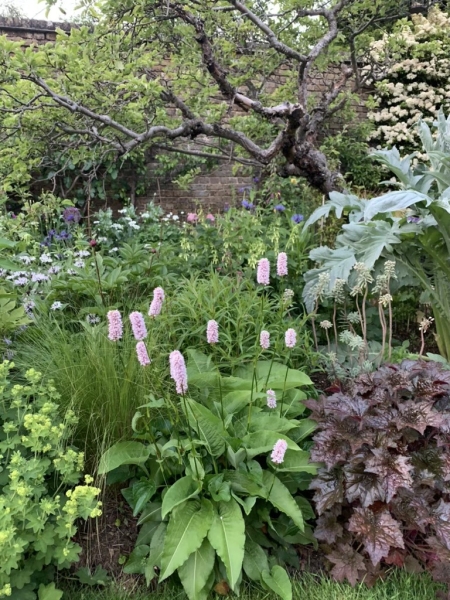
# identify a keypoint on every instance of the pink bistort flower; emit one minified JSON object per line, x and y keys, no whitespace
{"x":212,"y":332}
{"x":178,"y":371}
{"x":271,"y":399}
{"x":210,"y":217}
{"x":290,"y":338}
{"x":282,"y":264}
{"x":278,"y":452}
{"x":192,"y":218}
{"x":263,"y":272}
{"x":115,"y":327}
{"x":264,"y":339}
{"x":157,"y":302}
{"x":138,"y":325}
{"x":142,"y":354}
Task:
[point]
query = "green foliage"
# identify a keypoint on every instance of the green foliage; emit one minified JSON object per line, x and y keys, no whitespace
{"x":40,"y":495}
{"x":227,"y":506}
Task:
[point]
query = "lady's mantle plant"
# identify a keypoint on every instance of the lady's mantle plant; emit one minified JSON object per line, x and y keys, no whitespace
{"x":39,"y":496}
{"x":383,"y":494}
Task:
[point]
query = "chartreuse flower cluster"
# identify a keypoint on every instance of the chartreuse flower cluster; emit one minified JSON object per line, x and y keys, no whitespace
{"x":38,"y":506}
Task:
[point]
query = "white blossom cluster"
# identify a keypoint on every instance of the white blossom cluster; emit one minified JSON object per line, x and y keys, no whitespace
{"x":417,"y":84}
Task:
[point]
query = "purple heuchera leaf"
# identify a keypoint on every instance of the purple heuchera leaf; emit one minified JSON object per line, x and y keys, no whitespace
{"x":348,"y":564}
{"x":393,"y":471}
{"x":327,"y":528}
{"x":329,"y":489}
{"x":377,"y":531}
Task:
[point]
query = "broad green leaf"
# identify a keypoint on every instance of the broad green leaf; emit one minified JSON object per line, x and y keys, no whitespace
{"x":194,"y":573}
{"x":152,"y":512}
{"x":135,"y":564}
{"x":278,"y":581}
{"x":255,"y":560}
{"x":393,"y":201}
{"x":208,"y":427}
{"x":199,"y":362}
{"x":146,"y":533}
{"x":270,"y":421}
{"x":181,"y":490}
{"x":244,"y":483}
{"x":297,"y":462}
{"x":247,"y":503}
{"x":98,"y":577}
{"x":156,"y":550}
{"x":49,"y":592}
{"x":143,"y":491}
{"x":188,"y":526}
{"x":227,"y":537}
{"x":281,"y":498}
{"x":263,"y":441}
{"x":123,"y":453}
{"x":304,"y":428}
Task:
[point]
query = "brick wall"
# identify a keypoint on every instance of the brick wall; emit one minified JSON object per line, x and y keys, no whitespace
{"x":210,"y":189}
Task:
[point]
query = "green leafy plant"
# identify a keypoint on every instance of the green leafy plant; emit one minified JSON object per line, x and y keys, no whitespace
{"x":40,"y":494}
{"x":211,"y":502}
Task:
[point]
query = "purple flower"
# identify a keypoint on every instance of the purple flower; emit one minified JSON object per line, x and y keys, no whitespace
{"x":178,"y":371}
{"x":278,"y":452}
{"x":290,"y":338}
{"x":256,"y":179}
{"x":142,"y":354}
{"x":279,"y":207}
{"x":71,"y":215}
{"x":271,"y":399}
{"x":264,"y":340}
{"x":38,"y":277}
{"x":115,"y":327}
{"x":263,"y":272}
{"x":157,"y":302}
{"x":247,"y":205}
{"x":297,"y":218}
{"x":138,"y":325}
{"x":20,"y":281}
{"x":212,"y":332}
{"x":282,"y":264}
{"x":413,"y":219}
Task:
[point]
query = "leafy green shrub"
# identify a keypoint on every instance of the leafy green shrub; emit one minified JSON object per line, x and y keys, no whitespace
{"x":212,"y":503}
{"x":382,"y":495}
{"x":40,"y":499}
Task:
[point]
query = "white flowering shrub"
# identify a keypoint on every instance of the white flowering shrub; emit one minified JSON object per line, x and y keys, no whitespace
{"x":40,"y":495}
{"x":416,"y":82}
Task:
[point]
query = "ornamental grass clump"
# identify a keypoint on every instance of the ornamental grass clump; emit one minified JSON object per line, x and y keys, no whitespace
{"x":383,"y":493}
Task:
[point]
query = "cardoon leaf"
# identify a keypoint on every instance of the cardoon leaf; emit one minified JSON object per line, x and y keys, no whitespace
{"x":348,"y":564}
{"x":194,"y":573}
{"x":377,"y":531}
{"x":227,"y":537}
{"x":188,"y":526}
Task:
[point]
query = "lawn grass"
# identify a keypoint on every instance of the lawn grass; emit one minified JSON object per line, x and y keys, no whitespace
{"x":399,"y":585}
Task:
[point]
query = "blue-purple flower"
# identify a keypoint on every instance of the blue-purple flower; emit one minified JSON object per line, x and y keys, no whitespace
{"x":247,"y":205}
{"x":71,"y":215}
{"x":297,"y":218}
{"x":279,"y":207}
{"x":413,"y":219}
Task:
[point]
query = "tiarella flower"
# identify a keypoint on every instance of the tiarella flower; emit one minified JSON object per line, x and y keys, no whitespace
{"x":79,"y":263}
{"x":290,"y":338}
{"x":278,"y":452}
{"x":56,"y":305}
{"x":138,"y":325}
{"x":271,"y":399}
{"x":264,"y":339}
{"x":115,"y":327}
{"x":142,"y":354}
{"x":212,"y":332}
{"x":157,"y":302}
{"x":178,"y":371}
{"x":263,"y":272}
{"x":297,"y":219}
{"x":282,"y":264}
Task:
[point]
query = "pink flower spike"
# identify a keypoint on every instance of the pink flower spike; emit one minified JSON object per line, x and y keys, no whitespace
{"x":157,"y":302}
{"x":263,"y":272}
{"x":264,"y":340}
{"x":271,"y":399}
{"x":290,"y":338}
{"x":178,"y":371}
{"x":115,"y":327}
{"x":138,"y":325}
{"x":142,"y":354}
{"x":278,"y":452}
{"x":212,"y":332}
{"x":192,"y":218}
{"x":210,"y":217}
{"x":282,"y":264}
